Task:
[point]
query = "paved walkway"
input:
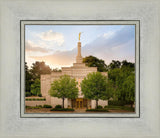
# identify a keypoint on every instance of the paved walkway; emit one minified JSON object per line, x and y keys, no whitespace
{"x":83,"y":110}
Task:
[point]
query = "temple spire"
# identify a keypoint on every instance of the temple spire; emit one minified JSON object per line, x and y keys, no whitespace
{"x":79,"y":58}
{"x":79,"y":36}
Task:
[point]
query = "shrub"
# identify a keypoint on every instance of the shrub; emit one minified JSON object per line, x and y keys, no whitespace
{"x":35,"y":99}
{"x":42,"y":99}
{"x":27,"y":94}
{"x":58,"y":106}
{"x":34,"y":107}
{"x":116,"y":103}
{"x":106,"y":106}
{"x":47,"y":106}
{"x":40,"y":95}
{"x":62,"y":109}
{"x":40,"y":106}
{"x":27,"y":107}
{"x":99,"y":107}
{"x":97,"y":110}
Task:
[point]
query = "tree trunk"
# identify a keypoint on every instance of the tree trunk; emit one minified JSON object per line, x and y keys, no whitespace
{"x":63,"y":102}
{"x":96,"y":103}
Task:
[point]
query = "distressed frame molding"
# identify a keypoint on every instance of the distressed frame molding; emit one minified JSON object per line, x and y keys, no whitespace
{"x":11,"y":12}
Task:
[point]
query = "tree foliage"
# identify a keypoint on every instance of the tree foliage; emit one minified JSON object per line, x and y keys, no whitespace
{"x":114,"y":64}
{"x":28,"y":79}
{"x":34,"y":73}
{"x":92,"y":61}
{"x":125,"y":63}
{"x":123,"y":81}
{"x":35,"y":87}
{"x":65,"y":87}
{"x":94,"y":87}
{"x":39,"y":68}
{"x":129,"y":88}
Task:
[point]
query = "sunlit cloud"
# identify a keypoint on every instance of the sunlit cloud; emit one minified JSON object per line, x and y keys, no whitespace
{"x":32,"y":47}
{"x":64,"y":58}
{"x":52,"y":36}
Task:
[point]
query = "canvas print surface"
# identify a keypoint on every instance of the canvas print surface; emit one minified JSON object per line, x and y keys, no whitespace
{"x":79,"y":69}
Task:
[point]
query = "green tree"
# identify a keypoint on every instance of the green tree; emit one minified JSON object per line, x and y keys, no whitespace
{"x":94,"y":87}
{"x":35,"y":87}
{"x":125,"y":63}
{"x":92,"y":61}
{"x":118,"y":76}
{"x":110,"y":89}
{"x":65,"y":87}
{"x":114,"y":64}
{"x":129,"y":88}
{"x":34,"y":73}
{"x":28,"y":80}
{"x":39,"y":68}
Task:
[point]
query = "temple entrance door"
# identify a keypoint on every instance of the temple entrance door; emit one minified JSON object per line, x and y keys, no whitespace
{"x":79,"y":103}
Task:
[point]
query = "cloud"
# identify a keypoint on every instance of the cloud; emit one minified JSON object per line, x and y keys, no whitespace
{"x":59,"y":58}
{"x":119,"y":45}
{"x":108,"y":34}
{"x":32,"y":47}
{"x":52,"y":36}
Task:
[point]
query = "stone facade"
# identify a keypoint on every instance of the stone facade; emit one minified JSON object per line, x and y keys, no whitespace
{"x":78,"y":71}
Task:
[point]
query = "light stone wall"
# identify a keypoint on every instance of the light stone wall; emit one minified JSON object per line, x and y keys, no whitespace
{"x":100,"y":102}
{"x":34,"y":103}
{"x":93,"y":103}
{"x":53,"y":101}
{"x":103,"y":102}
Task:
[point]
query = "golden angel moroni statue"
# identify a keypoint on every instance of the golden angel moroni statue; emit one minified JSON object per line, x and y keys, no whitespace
{"x":79,"y":36}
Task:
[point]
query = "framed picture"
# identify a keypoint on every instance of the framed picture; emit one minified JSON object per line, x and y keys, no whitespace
{"x":113,"y":89}
{"x":27,"y":33}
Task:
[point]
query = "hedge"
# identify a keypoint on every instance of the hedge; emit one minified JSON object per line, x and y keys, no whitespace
{"x":97,"y":110}
{"x":47,"y":106}
{"x":27,"y":94}
{"x":62,"y":109}
{"x":34,"y":107}
{"x":35,"y":99}
{"x":99,"y":107}
{"x":58,"y":106}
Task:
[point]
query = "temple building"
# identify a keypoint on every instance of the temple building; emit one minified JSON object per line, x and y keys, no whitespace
{"x":78,"y":71}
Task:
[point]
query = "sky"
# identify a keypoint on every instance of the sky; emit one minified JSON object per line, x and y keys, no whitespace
{"x":56,"y":45}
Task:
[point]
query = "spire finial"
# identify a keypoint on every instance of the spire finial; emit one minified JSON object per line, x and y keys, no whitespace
{"x":79,"y":36}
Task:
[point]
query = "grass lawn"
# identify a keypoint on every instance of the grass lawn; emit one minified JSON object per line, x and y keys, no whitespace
{"x":126,"y":108}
